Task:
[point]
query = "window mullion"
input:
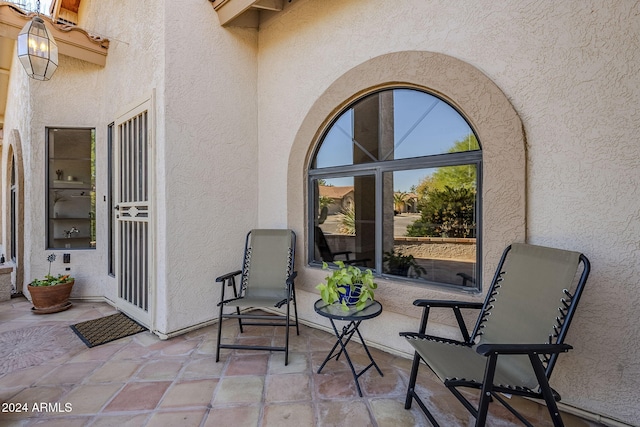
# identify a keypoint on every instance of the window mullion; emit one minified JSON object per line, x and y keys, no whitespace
{"x":379,"y":220}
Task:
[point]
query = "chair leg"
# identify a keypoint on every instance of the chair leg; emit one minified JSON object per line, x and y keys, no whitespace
{"x":286,"y":337}
{"x":239,"y":320}
{"x":549,"y":399}
{"x":235,"y":295}
{"x":295,"y":309}
{"x":219,"y":334}
{"x":485,"y":393}
{"x":411,"y":392}
{"x":412,"y":380}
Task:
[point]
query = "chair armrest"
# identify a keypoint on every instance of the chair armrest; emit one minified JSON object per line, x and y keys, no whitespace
{"x":427,"y":304}
{"x":490,"y":349}
{"x":447,"y":303}
{"x":345,"y":253}
{"x":466,"y":278}
{"x":361,"y":262}
{"x":228,"y":276}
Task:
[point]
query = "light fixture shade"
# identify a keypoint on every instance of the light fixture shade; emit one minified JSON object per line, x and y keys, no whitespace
{"x":37,"y":50}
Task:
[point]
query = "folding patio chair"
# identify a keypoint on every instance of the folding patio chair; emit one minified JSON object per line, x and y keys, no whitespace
{"x":267,"y":280}
{"x":327,"y":255}
{"x":518,"y":335}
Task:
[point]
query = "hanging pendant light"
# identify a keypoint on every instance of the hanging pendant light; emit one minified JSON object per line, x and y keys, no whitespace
{"x":37,"y":50}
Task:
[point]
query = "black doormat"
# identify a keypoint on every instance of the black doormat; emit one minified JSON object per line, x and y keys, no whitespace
{"x":106,"y":329}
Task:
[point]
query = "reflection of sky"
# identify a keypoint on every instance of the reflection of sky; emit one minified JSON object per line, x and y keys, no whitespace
{"x":423,"y":125}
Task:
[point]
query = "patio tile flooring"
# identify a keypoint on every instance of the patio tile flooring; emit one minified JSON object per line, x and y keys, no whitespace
{"x":143,"y":381}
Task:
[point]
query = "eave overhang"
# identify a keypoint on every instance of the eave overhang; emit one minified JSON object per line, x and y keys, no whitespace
{"x":247,"y":13}
{"x":72,"y":41}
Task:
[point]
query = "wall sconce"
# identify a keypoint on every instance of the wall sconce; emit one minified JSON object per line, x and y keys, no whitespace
{"x":37,"y":50}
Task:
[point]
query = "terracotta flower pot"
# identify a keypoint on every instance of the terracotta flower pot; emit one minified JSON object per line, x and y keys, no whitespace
{"x":50,"y":299}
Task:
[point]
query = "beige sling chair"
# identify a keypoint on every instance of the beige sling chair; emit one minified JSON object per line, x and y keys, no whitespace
{"x":266,"y":280}
{"x":518,"y":335}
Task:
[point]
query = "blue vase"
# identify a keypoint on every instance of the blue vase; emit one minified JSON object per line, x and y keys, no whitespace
{"x":351,"y":295}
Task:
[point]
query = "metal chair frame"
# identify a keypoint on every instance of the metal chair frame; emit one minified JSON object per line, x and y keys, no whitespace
{"x":229,"y":280}
{"x":542,"y":356}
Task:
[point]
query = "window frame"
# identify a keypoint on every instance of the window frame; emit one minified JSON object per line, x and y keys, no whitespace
{"x":377,"y":169}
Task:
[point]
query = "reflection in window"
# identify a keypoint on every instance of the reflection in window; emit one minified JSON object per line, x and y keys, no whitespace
{"x":434,"y":225}
{"x":408,"y":122}
{"x":395,"y":186}
{"x":345,"y":219}
{"x":71,"y":203}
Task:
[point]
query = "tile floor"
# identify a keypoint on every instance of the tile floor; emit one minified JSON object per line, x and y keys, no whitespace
{"x":143,"y":381}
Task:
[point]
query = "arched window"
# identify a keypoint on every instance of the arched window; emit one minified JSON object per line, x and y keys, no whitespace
{"x":395,"y":185}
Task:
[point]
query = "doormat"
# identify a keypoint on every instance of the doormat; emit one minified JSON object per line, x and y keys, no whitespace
{"x":106,"y":329}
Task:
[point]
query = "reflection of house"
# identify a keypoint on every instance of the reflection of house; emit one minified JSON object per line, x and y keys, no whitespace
{"x":232,"y":101}
{"x":342,"y":198}
{"x":406,"y":203}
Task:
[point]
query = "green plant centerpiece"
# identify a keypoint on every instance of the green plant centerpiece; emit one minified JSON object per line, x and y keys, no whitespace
{"x":399,"y":264}
{"x":347,"y":281}
{"x":51,"y":294}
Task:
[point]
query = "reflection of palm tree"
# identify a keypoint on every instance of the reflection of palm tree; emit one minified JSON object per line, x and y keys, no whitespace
{"x":348,"y":221}
{"x":324,"y":201}
{"x":398,"y":200}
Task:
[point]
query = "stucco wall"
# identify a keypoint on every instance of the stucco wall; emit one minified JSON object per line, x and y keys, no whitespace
{"x":570,"y":70}
{"x":209,"y":161}
{"x":33,"y":106}
{"x":81,"y":94}
{"x":204,"y":146}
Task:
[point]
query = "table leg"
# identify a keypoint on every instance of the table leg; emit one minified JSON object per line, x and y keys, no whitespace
{"x":348,"y":332}
{"x":345,"y":331}
{"x":370,"y":356}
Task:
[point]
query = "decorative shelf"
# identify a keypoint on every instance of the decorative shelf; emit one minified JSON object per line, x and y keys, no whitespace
{"x":67,"y":182}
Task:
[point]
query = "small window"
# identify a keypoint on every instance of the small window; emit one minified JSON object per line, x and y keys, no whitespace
{"x":71,"y":204}
{"x":395,"y":187}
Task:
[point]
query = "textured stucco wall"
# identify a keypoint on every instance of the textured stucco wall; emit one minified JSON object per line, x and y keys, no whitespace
{"x":203,"y":92}
{"x":83,"y":95}
{"x":570,"y":69}
{"x":210,"y":159}
{"x":17,"y":103}
{"x":32,"y":106}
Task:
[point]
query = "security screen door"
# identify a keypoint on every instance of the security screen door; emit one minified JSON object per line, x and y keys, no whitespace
{"x":133,"y":238}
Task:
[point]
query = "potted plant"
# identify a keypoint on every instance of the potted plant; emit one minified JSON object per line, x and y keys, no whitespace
{"x":399,"y":264}
{"x":347,"y":285}
{"x":51,"y":294}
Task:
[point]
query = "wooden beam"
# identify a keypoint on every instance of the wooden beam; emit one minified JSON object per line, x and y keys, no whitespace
{"x":275,"y":5}
{"x":231,"y":9}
